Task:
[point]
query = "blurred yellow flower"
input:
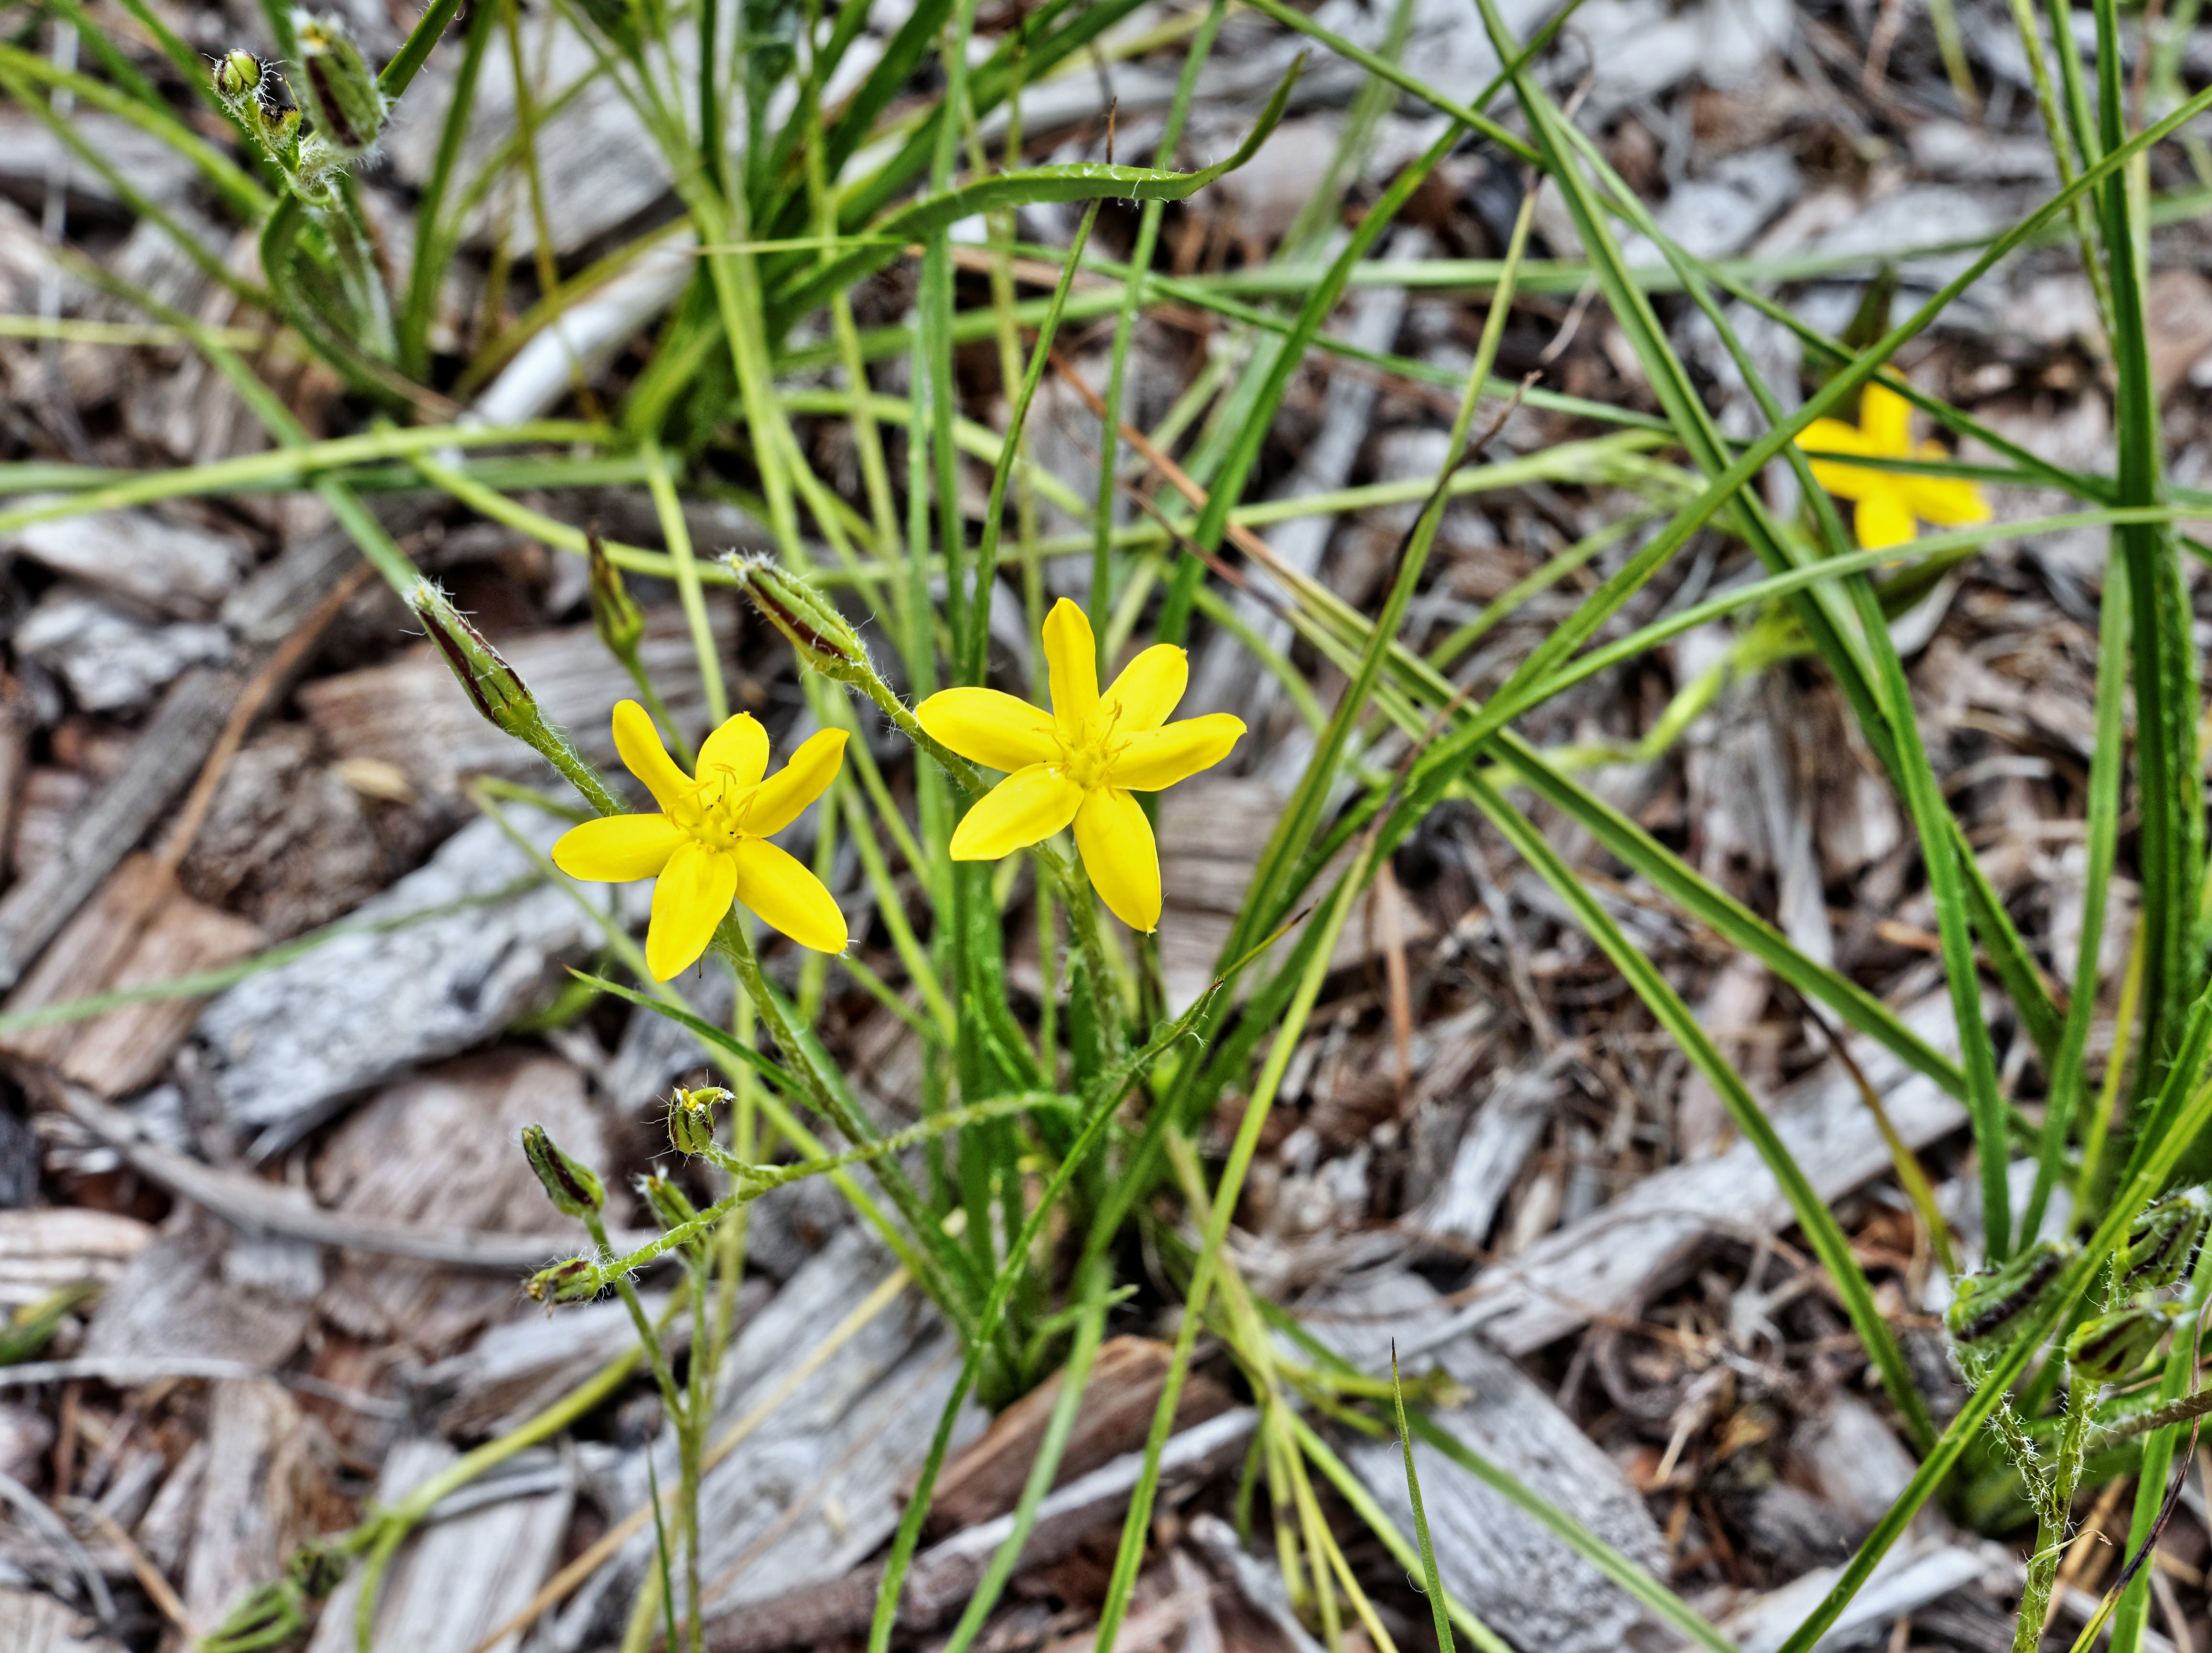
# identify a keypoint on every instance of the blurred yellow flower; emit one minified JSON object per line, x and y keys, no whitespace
{"x":708,"y":846}
{"x":1890,"y":502}
{"x":1080,"y":761}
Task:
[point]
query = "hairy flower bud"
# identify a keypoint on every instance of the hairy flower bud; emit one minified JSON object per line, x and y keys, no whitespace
{"x":570,"y":1185}
{"x":615,"y":613}
{"x":1992,"y":1305}
{"x":2162,"y":1241}
{"x":826,"y":639}
{"x":238,"y":75}
{"x":348,"y":105}
{"x":2111,"y":1346}
{"x":493,"y":687}
{"x":670,"y":1203}
{"x":576,"y":1280}
{"x":691,"y":1119}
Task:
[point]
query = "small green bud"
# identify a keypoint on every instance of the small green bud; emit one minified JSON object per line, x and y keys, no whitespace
{"x":501,"y":697}
{"x":1994,"y":1303}
{"x":2163,"y":1242}
{"x":2111,"y":1346}
{"x":615,"y":612}
{"x":570,"y":1185}
{"x":826,"y":639}
{"x":691,"y":1119}
{"x":576,"y":1280}
{"x":669,"y":1202}
{"x":238,"y":75}
{"x":348,"y":107}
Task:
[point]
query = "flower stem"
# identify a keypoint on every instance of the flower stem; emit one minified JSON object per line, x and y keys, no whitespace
{"x":2052,"y":1518}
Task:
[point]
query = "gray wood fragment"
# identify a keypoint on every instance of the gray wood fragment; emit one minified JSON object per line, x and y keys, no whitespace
{"x":184,"y":572}
{"x":173,"y":1299}
{"x":455,"y":1581}
{"x":1505,"y":1127}
{"x":33,"y":1623}
{"x":248,"y":1517}
{"x":45,"y":1249}
{"x":1913,"y":1574}
{"x":1513,"y":1571}
{"x":112,"y":662}
{"x":287,"y":1046}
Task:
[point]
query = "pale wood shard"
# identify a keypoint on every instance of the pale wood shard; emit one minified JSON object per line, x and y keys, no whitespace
{"x":45,"y":1249}
{"x":253,"y":1491}
{"x":31,"y":1622}
{"x":1512,"y":1571}
{"x":139,"y":930}
{"x":181,"y":571}
{"x":522,"y":1365}
{"x":1624,"y":1249}
{"x":409,"y":712}
{"x":289,"y":1045}
{"x":986,"y":1478}
{"x":457,"y":1579}
{"x":176,"y":1298}
{"x":49,"y":802}
{"x":444,"y":1147}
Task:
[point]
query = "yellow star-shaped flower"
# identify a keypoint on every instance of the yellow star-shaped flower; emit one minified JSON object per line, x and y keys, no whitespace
{"x":1890,"y":502}
{"x":1080,"y":761}
{"x":708,"y":845}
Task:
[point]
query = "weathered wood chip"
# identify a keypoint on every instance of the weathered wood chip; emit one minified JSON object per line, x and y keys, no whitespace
{"x":33,"y":1623}
{"x":1515,"y":1572}
{"x":45,"y":1249}
{"x":255,"y":1489}
{"x":184,"y":572}
{"x":986,"y":1478}
{"x":178,"y":1298}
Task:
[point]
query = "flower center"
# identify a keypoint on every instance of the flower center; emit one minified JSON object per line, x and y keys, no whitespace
{"x":1086,"y":758}
{"x":721,"y":806}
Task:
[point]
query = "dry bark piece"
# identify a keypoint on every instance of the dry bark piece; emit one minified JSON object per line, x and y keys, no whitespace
{"x":407,"y":712}
{"x":139,"y":930}
{"x":289,"y":1045}
{"x":43,"y":1251}
{"x":176,"y":1298}
{"x":985,"y":1479}
{"x":442,"y":1148}
{"x":455,"y":1580}
{"x":255,"y":1491}
{"x":1512,"y":1571}
{"x":33,"y":1623}
{"x":184,"y":572}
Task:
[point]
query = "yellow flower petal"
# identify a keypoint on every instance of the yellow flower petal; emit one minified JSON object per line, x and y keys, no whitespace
{"x":784,"y":892}
{"x":796,"y":785}
{"x":1832,"y":436}
{"x":618,"y":849}
{"x":1946,"y":501}
{"x":1850,"y":482}
{"x":1147,"y":689}
{"x":1071,"y":658}
{"x":1025,"y":808}
{"x":690,"y":899}
{"x":644,"y":756}
{"x":1882,"y":521}
{"x":740,"y":746}
{"x":1885,"y":421}
{"x":992,"y":729}
{"x":1115,"y":842}
{"x":1163,"y":756}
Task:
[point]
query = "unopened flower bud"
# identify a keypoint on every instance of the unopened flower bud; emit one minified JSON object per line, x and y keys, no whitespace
{"x":615,"y":612}
{"x":691,"y":1119}
{"x":1993,"y":1304}
{"x":348,"y":105}
{"x":570,"y":1185}
{"x":826,"y":639}
{"x":238,"y":75}
{"x":502,"y":698}
{"x":669,"y":1202}
{"x":2111,"y":1346}
{"x":2162,"y":1241}
{"x":576,"y":1280}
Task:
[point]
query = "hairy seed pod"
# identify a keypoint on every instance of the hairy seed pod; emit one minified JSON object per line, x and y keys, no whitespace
{"x":348,"y":105}
{"x":576,"y":1280}
{"x":691,"y":1119}
{"x":826,"y":639}
{"x":491,"y":684}
{"x":569,"y":1184}
{"x":1994,"y":1303}
{"x":2111,"y":1346}
{"x":615,"y":613}
{"x":2163,"y":1242}
{"x":669,"y":1202}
